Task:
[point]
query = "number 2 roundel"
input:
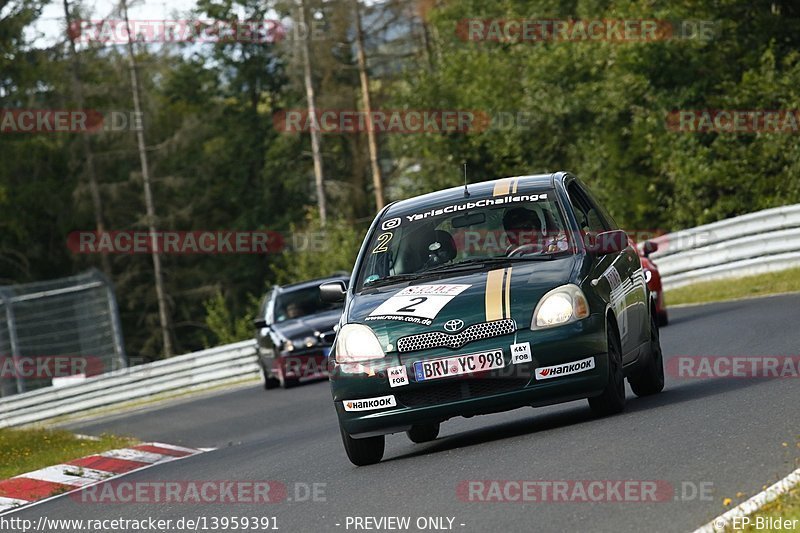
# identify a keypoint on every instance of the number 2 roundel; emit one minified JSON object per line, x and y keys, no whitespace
{"x":421,"y":301}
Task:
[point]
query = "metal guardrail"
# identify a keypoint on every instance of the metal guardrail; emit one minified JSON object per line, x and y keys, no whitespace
{"x":184,"y":373}
{"x":764,"y":241}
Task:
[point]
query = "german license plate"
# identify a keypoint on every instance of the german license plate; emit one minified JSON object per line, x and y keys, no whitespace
{"x":458,"y":365}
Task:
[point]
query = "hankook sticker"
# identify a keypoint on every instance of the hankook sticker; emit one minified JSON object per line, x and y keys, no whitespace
{"x":556,"y":371}
{"x":370,"y":404}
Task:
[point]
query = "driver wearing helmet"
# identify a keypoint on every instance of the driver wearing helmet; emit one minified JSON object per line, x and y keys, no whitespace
{"x":524,"y":233}
{"x":523,"y":230}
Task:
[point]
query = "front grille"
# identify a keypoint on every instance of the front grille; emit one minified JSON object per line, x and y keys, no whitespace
{"x":440,"y":339}
{"x":453,"y":391}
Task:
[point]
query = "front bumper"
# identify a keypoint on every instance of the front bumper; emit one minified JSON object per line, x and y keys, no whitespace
{"x":503,"y":389}
{"x":301,"y":365}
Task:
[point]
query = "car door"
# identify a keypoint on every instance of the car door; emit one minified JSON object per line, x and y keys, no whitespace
{"x":621,"y":270}
{"x":637,"y":296}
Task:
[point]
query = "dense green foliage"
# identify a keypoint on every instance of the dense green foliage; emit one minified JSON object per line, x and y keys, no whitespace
{"x":595,"y":108}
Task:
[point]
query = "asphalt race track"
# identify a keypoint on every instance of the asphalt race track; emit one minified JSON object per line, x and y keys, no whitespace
{"x":724,"y":434}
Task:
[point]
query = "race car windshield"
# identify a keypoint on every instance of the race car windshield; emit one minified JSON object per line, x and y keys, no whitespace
{"x":454,"y":236}
{"x":299,"y":303}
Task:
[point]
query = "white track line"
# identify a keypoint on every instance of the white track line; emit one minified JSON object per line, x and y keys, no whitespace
{"x":753,"y":504}
{"x":137,"y":455}
{"x":67,"y":475}
{"x":10,"y":503}
{"x":173,"y":447}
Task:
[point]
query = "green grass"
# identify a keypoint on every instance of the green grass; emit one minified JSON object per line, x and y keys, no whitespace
{"x":23,"y":450}
{"x":731,"y":289}
{"x":787,"y":507}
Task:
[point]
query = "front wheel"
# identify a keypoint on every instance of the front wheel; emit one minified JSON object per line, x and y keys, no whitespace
{"x":289,"y":383}
{"x":362,"y":452}
{"x":612,"y":399}
{"x":420,"y":433}
{"x":651,"y":379}
{"x":269,"y":381}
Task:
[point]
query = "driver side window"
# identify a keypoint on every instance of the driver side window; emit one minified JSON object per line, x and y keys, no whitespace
{"x":589,"y":219}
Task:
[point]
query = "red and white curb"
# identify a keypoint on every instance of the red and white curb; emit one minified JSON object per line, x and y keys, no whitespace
{"x":753,"y":504}
{"x":73,"y":475}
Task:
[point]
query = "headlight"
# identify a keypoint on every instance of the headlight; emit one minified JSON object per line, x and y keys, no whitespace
{"x":288,"y":345}
{"x":356,"y":343}
{"x":647,"y":275}
{"x":561,"y":305}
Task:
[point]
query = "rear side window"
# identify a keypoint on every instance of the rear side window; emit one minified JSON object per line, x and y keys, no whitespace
{"x":586,"y":212}
{"x":604,"y":214}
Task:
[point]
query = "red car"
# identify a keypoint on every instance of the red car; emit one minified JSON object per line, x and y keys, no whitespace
{"x":653,"y":278}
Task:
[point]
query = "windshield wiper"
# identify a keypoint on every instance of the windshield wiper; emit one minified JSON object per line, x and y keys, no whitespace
{"x":479,"y":261}
{"x":398,"y":278}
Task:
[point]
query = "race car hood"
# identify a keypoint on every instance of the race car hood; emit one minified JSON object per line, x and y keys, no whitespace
{"x":307,"y":326}
{"x":473,"y":297}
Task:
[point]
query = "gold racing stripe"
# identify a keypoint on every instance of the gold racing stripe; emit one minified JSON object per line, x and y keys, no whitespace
{"x":502,"y":187}
{"x":498,"y":294}
{"x":507,"y":302}
{"x":514,"y":186}
{"x":494,"y":294}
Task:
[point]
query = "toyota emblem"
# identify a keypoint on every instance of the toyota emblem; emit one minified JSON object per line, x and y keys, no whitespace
{"x":454,"y":325}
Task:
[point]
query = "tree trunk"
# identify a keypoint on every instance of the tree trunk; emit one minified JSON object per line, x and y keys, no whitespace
{"x":316,"y":151}
{"x":163,"y":314}
{"x":91,"y":174}
{"x":377,"y":178}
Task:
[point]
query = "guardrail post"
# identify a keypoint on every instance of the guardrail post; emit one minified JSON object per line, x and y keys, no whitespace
{"x":12,"y":339}
{"x":116,"y":326}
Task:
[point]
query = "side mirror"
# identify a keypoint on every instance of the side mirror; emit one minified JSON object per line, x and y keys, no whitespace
{"x":610,"y":242}
{"x":649,"y":247}
{"x":260,"y":323}
{"x":333,"y":291}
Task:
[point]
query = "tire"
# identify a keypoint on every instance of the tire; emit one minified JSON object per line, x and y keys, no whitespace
{"x":289,"y":383}
{"x":651,"y":378}
{"x":423,"y":433}
{"x":612,"y":400}
{"x":663,"y":319}
{"x":362,"y":452}
{"x":269,"y":381}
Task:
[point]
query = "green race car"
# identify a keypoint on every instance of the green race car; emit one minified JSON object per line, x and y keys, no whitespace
{"x":509,"y":293}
